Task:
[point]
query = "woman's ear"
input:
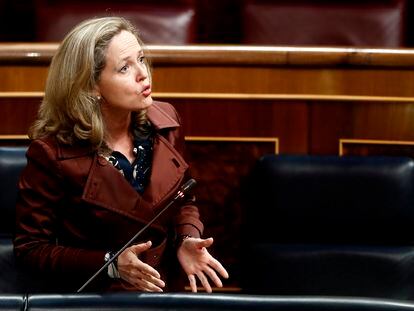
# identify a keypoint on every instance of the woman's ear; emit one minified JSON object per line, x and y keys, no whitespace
{"x":96,"y":90}
{"x":95,"y":93}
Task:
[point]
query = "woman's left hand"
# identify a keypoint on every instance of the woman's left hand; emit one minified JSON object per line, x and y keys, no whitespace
{"x":197,"y":261}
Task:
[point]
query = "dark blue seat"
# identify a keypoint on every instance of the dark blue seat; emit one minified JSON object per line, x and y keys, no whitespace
{"x":12,"y":161}
{"x":328,"y":225}
{"x":216,"y":302}
{"x":13,"y":302}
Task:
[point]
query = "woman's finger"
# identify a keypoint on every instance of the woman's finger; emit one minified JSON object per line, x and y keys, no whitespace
{"x":213,"y":276}
{"x":152,"y":279}
{"x":141,"y":247}
{"x":204,"y":242}
{"x":140,"y":278}
{"x":204,"y":281}
{"x":144,"y":268}
{"x":216,"y":265}
{"x":145,"y":281}
{"x":193,"y":284}
{"x":147,"y":286}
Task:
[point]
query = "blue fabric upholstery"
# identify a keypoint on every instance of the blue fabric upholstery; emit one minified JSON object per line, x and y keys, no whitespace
{"x":12,"y":161}
{"x":216,"y":302}
{"x":13,"y":302}
{"x":327,"y":225}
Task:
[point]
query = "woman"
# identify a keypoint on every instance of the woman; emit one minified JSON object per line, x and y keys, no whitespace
{"x":104,"y":159}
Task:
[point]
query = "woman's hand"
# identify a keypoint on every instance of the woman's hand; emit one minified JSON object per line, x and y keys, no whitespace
{"x":197,"y":261}
{"x":138,"y":273}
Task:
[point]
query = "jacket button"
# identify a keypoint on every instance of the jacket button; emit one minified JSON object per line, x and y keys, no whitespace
{"x":102,"y":161}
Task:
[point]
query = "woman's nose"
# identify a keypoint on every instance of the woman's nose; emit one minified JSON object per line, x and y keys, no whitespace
{"x":142,"y":73}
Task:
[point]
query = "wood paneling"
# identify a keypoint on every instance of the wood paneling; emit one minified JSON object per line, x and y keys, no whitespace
{"x":304,"y":125}
{"x":282,"y":80}
{"x":243,"y":118}
{"x":220,"y":166}
{"x":15,"y":78}
{"x":17,"y":112}
{"x":365,"y":147}
{"x":238,"y":69}
{"x":331,"y":121}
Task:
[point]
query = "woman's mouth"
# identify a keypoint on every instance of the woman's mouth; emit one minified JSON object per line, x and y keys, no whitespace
{"x":146,"y":91}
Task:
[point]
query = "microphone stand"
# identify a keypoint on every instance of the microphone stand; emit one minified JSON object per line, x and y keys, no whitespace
{"x":180,"y":195}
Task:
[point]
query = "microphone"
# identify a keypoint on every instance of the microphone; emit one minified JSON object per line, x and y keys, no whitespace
{"x":180,"y":195}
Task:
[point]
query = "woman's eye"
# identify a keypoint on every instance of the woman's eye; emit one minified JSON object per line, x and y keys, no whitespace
{"x":142,"y":59}
{"x":124,"y":68}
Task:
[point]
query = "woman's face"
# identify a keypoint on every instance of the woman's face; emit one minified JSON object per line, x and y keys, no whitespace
{"x":124,"y":83}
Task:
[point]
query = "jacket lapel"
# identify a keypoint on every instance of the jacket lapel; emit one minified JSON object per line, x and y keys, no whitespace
{"x":159,"y":118}
{"x":166,"y":175}
{"x":107,"y":188}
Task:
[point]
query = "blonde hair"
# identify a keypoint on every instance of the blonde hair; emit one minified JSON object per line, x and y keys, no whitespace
{"x":69,"y":109}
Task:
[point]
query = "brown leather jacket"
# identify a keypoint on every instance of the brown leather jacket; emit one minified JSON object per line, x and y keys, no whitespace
{"x":74,"y":206}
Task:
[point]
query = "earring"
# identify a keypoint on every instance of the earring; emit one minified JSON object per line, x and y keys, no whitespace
{"x":98,"y":98}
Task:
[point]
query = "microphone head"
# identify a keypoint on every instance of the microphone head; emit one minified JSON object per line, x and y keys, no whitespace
{"x":188,"y":185}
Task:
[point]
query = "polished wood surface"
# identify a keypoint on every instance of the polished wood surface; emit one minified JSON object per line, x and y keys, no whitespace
{"x":233,"y":55}
{"x":242,"y":69}
{"x":302,"y":125}
{"x":365,"y":147}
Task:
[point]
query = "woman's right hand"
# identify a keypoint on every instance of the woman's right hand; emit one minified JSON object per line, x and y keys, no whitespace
{"x":137,"y":272}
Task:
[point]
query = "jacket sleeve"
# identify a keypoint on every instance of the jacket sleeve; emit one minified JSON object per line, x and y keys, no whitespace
{"x":187,"y":220}
{"x":41,"y":192}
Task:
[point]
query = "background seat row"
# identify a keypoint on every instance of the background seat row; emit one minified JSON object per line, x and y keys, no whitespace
{"x":384,"y":23}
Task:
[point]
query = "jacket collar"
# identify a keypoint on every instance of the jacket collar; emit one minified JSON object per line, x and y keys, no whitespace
{"x":66,"y":151}
{"x":159,"y":118}
{"x":156,"y":115}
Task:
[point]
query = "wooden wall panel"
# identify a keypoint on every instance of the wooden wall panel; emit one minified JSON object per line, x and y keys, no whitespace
{"x":390,"y":121}
{"x":14,"y":78}
{"x":17,"y":113}
{"x":225,"y":79}
{"x":367,"y":147}
{"x":287,"y":120}
{"x":331,"y":121}
{"x":303,"y":126}
{"x":284,"y":80}
{"x":220,"y":168}
{"x":242,"y":69}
